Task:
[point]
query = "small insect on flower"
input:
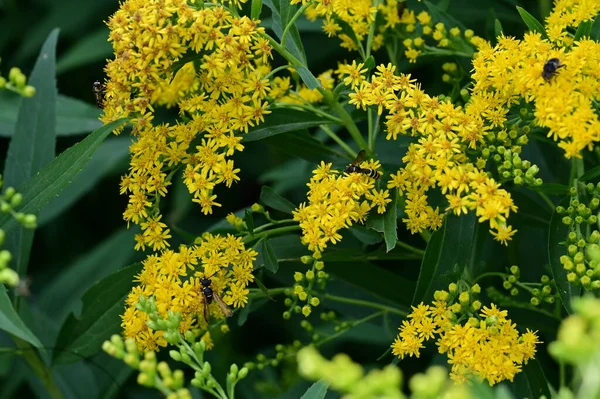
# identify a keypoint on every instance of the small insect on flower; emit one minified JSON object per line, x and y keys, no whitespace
{"x":550,"y":68}
{"x":209,"y":295}
{"x":99,"y":94}
{"x":354,"y":168}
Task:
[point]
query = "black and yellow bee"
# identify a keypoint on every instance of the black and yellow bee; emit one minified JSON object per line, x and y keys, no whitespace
{"x":209,"y":295}
{"x":354,"y":168}
{"x":550,"y":68}
{"x":99,"y":93}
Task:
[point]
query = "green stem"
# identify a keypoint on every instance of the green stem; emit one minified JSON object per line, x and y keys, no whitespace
{"x":291,"y":23}
{"x":310,"y":109}
{"x":356,"y":323}
{"x":489,"y":274}
{"x":32,"y":358}
{"x":444,"y":52}
{"x":274,"y":71}
{"x":368,"y":304}
{"x":370,"y":126}
{"x":281,"y":230}
{"x":371,"y":33}
{"x":339,"y":141}
{"x":410,"y":248}
{"x":547,"y":201}
{"x":258,"y":293}
{"x":373,"y":132}
{"x":275,"y":223}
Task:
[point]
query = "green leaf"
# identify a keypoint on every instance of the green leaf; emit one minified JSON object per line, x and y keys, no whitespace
{"x":271,"y":262}
{"x":590,"y":174}
{"x":244,"y":313}
{"x":553,"y":189}
{"x":390,"y":223}
{"x":73,"y":116}
{"x":557,"y":234}
{"x":449,"y":250}
{"x":439,"y":14}
{"x":249,"y":220}
{"x":33,"y":143}
{"x":91,"y":48}
{"x":307,"y":77}
{"x":498,"y":28}
{"x":12,"y":323}
{"x":532,"y":381}
{"x":595,"y":33}
{"x":282,"y":121}
{"x":584,"y":30}
{"x":370,"y":63}
{"x":365,"y":235}
{"x":270,"y":198}
{"x":256,"y":9}
{"x":302,"y":145}
{"x":532,"y":23}
{"x":100,"y":317}
{"x":53,"y":178}
{"x":60,"y":296}
{"x":111,"y":153}
{"x":318,"y":390}
{"x":282,"y":13}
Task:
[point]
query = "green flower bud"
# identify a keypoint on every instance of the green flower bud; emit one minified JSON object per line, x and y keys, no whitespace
{"x":535,"y":301}
{"x":257,"y":208}
{"x":28,"y":91}
{"x":514,"y":291}
{"x":307,"y":259}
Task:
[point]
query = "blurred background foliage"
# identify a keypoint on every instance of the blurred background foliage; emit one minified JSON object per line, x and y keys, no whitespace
{"x":82,"y":237}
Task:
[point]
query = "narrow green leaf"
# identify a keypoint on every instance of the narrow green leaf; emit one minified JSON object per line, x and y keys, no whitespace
{"x":318,"y":390}
{"x":33,"y":143}
{"x":590,"y":174}
{"x":100,"y":317}
{"x":271,"y":262}
{"x":263,"y":288}
{"x":111,"y":153}
{"x":449,"y":250}
{"x":370,"y":63}
{"x":390,"y":223}
{"x":365,"y":235}
{"x":256,"y":9}
{"x":553,"y":189}
{"x":53,"y":178}
{"x":584,"y":30}
{"x":12,"y":323}
{"x":557,"y":234}
{"x":270,"y":198}
{"x":249,"y":220}
{"x":439,"y":14}
{"x":243,"y":317}
{"x":498,"y":28}
{"x":282,"y":121}
{"x":532,"y":23}
{"x":302,"y":145}
{"x":93,"y":47}
{"x":73,"y":116}
{"x":307,"y":77}
{"x":536,"y":379}
{"x":595,"y":33}
{"x":282,"y":11}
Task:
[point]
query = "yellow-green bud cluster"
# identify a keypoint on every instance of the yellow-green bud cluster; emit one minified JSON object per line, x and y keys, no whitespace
{"x":582,"y":260}
{"x":509,"y":163}
{"x":17,"y":82}
{"x":452,"y":74}
{"x":461,"y":299}
{"x":302,"y":299}
{"x":170,"y":325}
{"x":281,"y":352}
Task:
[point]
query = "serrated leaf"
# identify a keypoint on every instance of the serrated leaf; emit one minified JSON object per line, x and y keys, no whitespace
{"x":583,"y":30}
{"x":282,"y":121}
{"x":100,"y":317}
{"x":256,"y":9}
{"x":557,"y":234}
{"x":532,"y":23}
{"x":249,"y":220}
{"x":73,"y":116}
{"x":91,"y":48}
{"x":33,"y":143}
{"x":271,"y":262}
{"x":390,"y":223}
{"x":318,"y":390}
{"x":270,"y":198}
{"x":111,"y":153}
{"x":53,"y":178}
{"x":449,"y":250}
{"x":12,"y":323}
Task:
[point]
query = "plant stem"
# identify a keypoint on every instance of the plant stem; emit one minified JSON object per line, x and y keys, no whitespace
{"x":310,"y":109}
{"x":339,"y":141}
{"x":275,"y":223}
{"x":368,"y":304}
{"x":547,"y":201}
{"x":281,"y":230}
{"x":291,"y":23}
{"x":32,"y":358}
{"x":410,"y":248}
{"x":356,"y":323}
{"x":444,"y":52}
{"x":274,"y":71}
{"x":371,"y":33}
{"x":489,"y":274}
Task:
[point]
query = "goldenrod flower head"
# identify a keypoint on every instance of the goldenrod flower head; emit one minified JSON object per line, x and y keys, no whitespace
{"x":569,"y":14}
{"x":173,"y":280}
{"x":337,"y":201}
{"x":494,"y":352}
{"x":219,"y":95}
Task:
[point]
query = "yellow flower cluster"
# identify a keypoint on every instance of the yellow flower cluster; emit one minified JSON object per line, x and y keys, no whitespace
{"x":173,"y":280}
{"x":445,"y":133}
{"x":569,"y":14}
{"x":487,"y":346}
{"x":219,"y":94}
{"x":337,"y":201}
{"x":564,"y":101}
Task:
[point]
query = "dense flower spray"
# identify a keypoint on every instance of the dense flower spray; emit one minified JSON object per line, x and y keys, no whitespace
{"x":211,"y":65}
